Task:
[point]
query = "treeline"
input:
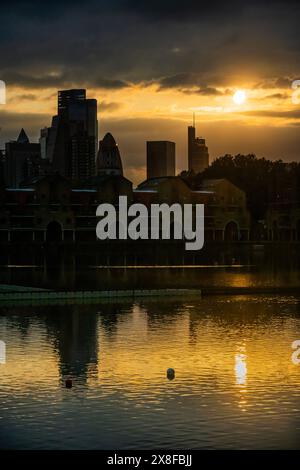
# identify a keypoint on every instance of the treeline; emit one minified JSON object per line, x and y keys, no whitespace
{"x":264,"y":181}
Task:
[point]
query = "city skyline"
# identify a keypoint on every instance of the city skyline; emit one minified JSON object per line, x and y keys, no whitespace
{"x":149,"y":89}
{"x":149,"y":229}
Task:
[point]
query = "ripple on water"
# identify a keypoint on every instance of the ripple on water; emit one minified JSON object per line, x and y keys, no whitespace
{"x":235,"y":385}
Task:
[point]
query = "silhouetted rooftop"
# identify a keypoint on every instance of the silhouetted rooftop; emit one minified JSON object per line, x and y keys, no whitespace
{"x":23,"y":138}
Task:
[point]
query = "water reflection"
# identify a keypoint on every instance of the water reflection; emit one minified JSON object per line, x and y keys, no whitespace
{"x":241,"y":375}
{"x":241,"y":368}
{"x":234,"y":386}
{"x":75,"y":340}
{"x":214,"y":266}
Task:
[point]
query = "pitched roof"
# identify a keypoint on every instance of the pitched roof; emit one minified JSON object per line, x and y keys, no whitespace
{"x":23,"y":138}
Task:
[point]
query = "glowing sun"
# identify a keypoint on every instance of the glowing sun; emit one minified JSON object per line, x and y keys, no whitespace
{"x":239,"y":97}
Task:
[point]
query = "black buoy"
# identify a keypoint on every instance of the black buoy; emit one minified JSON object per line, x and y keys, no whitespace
{"x":69,"y":383}
{"x":171,"y":373}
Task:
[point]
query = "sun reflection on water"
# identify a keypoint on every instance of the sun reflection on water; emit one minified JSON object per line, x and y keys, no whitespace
{"x":222,"y":350}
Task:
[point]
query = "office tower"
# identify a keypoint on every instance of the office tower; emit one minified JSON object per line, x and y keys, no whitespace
{"x":160,"y":159}
{"x":72,"y":139}
{"x":109,"y":159}
{"x":22,"y":160}
{"x":44,"y":141}
{"x":68,"y":98}
{"x":198,"y":157}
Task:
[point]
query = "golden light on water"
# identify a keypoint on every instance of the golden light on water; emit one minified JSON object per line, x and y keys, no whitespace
{"x":189,"y":340}
{"x":240,"y":369}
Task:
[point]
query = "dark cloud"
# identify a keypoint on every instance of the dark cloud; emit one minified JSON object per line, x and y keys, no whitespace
{"x":110,"y":84}
{"x":23,"y":97}
{"x":113,"y":44}
{"x":274,"y":113}
{"x":59,"y":80}
{"x":182,"y":81}
{"x":191,"y":46}
{"x":193,"y":9}
{"x":283,"y":82}
{"x":177,"y":81}
{"x":209,"y":91}
{"x":31,"y":81}
{"x":276,"y":96}
{"x":276,"y":82}
{"x":109,"y":106}
{"x":205,"y":91}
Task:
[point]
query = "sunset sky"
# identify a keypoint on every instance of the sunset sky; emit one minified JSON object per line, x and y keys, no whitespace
{"x":151,"y":65}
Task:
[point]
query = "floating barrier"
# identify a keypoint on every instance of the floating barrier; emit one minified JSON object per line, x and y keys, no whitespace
{"x":48,"y":296}
{"x":69,"y":383}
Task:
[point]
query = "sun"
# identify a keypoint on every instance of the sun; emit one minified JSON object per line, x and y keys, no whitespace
{"x":239,"y":97}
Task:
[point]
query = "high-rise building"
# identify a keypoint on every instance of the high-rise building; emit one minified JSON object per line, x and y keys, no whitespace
{"x":198,"y":157}
{"x":72,"y":140}
{"x":160,"y":158}
{"x":109,"y":159}
{"x":67,"y":98}
{"x":22,"y":160}
{"x":44,"y":141}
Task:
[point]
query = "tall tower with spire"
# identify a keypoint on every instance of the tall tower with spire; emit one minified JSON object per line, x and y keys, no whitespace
{"x":198,"y":156}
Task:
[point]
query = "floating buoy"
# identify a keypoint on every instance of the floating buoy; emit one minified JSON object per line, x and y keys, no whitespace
{"x":171,"y":373}
{"x":69,"y":383}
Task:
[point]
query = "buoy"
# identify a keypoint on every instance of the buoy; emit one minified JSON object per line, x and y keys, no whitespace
{"x":171,"y":373}
{"x":69,"y":383}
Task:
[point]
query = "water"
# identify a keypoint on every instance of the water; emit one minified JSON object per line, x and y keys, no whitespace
{"x":235,"y":385}
{"x":216,"y":266}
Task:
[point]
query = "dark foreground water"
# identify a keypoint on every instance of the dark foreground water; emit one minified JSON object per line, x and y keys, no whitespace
{"x":235,"y":386}
{"x":217,"y":266}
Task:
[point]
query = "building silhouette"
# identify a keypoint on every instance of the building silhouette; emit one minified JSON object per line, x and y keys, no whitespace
{"x":70,"y":144}
{"x":160,"y":159}
{"x":109,"y":159}
{"x":21,"y":161}
{"x":198,"y":157}
{"x":68,"y":98}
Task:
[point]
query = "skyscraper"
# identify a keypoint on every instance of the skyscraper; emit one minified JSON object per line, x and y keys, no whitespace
{"x":72,"y":140}
{"x":22,"y":160}
{"x":109,"y":159}
{"x":67,"y":98}
{"x":160,"y":158}
{"x":198,"y":157}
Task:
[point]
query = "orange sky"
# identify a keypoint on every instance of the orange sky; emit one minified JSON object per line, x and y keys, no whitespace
{"x":138,"y":113}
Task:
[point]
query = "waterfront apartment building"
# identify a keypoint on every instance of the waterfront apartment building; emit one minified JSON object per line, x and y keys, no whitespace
{"x":52,"y":209}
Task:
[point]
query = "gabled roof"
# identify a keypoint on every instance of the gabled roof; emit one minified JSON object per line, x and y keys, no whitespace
{"x":98,"y":180}
{"x":212,"y":183}
{"x":152,"y":183}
